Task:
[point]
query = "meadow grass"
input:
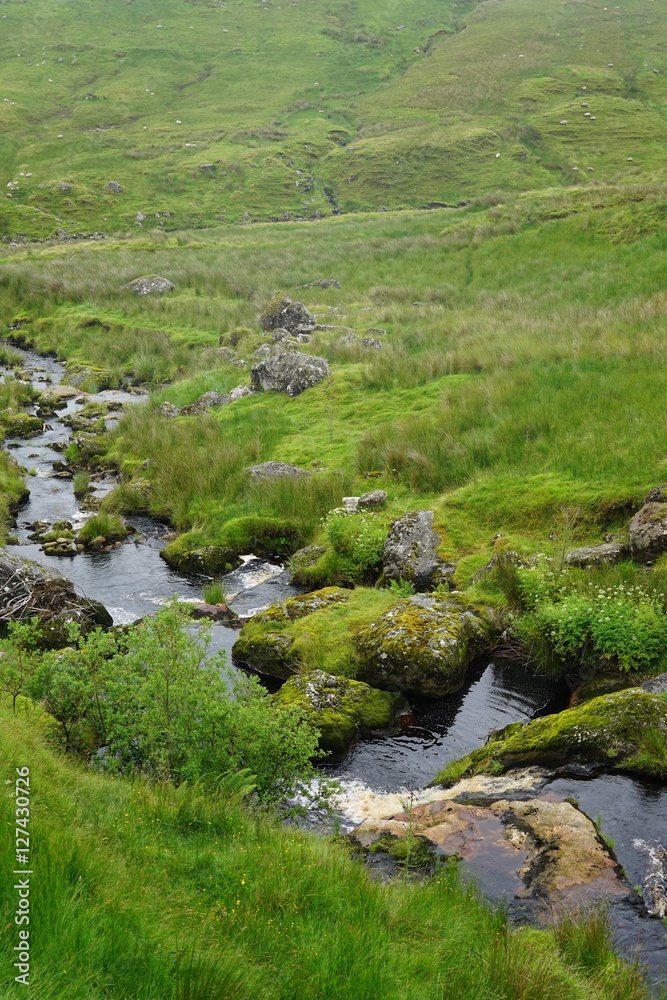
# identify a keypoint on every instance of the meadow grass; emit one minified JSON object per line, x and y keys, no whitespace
{"x":150,"y":891}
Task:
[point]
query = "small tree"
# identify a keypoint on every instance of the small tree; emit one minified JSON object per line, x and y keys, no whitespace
{"x":17,"y":658}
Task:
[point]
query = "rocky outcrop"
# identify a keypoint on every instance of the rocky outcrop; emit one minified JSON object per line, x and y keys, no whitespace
{"x":290,"y":316}
{"x":208,"y":401}
{"x":648,"y":532}
{"x":410,"y":552}
{"x":423,"y":644}
{"x":607,"y":554}
{"x":623,"y":731}
{"x":150,"y":284}
{"x":274,"y":470}
{"x":288,"y":371}
{"x":28,"y":590}
{"x":549,"y":851}
{"x":340,"y":708}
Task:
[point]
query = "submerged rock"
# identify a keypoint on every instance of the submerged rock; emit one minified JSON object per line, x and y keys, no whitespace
{"x":340,"y":708}
{"x":410,"y":552}
{"x":288,"y":371}
{"x":29,"y":590}
{"x":607,"y":554}
{"x":550,"y":850}
{"x":150,"y":284}
{"x":423,"y":644}
{"x":648,"y":532}
{"x":281,"y":312}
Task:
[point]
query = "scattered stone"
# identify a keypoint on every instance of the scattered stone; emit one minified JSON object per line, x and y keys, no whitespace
{"x":282,"y":312}
{"x":207,"y":167}
{"x":423,"y":644}
{"x":376,"y":332}
{"x":410,"y":552}
{"x":376,"y":498}
{"x":150,"y":284}
{"x":207,"y":402}
{"x":322,"y":283}
{"x":169,"y":410}
{"x":115,"y":187}
{"x":62,"y":187}
{"x":272,"y":470}
{"x":214,"y":613}
{"x":239,"y":392}
{"x":371,"y":343}
{"x":140,"y":216}
{"x":340,"y":708}
{"x":226,"y":353}
{"x":657,"y":495}
{"x":291,"y":373}
{"x":607,"y":554}
{"x":648,"y":532}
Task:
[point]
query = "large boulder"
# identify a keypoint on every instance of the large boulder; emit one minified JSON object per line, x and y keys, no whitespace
{"x":648,"y":532}
{"x":274,"y":470}
{"x":206,"y":560}
{"x":282,"y":313}
{"x":269,"y":653}
{"x":288,"y":371}
{"x":623,"y":731}
{"x":423,"y":644}
{"x":28,"y":590}
{"x":150,"y":284}
{"x":340,"y":708}
{"x":410,"y":552}
{"x":607,"y":554}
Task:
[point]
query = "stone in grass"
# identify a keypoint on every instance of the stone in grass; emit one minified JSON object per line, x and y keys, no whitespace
{"x":282,"y":312}
{"x":290,"y":372}
{"x":424,"y":644}
{"x":150,"y":284}
{"x":276,"y":470}
{"x":340,"y":708}
{"x":208,"y":401}
{"x":375,"y":498}
{"x":648,"y":532}
{"x":169,"y":410}
{"x":623,"y":731}
{"x":239,"y":392}
{"x":89,"y":379}
{"x":114,"y":186}
{"x":410,"y":552}
{"x":607,"y":554}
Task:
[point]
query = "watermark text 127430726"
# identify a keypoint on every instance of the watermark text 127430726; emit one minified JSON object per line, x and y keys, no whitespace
{"x":23,"y":873}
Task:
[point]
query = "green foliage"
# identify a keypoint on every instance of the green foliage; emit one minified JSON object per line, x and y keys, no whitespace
{"x":401,"y":588}
{"x":214,"y":592}
{"x":17,"y":658}
{"x":81,"y":483}
{"x":574,"y":621}
{"x":359,"y":538}
{"x":110,"y":527}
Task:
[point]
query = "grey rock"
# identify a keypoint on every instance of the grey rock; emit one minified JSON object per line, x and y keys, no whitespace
{"x":239,"y":392}
{"x":225,"y":353}
{"x":150,"y":284}
{"x":648,"y":533}
{"x":272,"y":470}
{"x":115,"y":187}
{"x":607,"y":554}
{"x":291,"y":373}
{"x":169,"y":410}
{"x":376,"y":331}
{"x":410,"y":551}
{"x":140,"y":216}
{"x":371,"y":343}
{"x":376,"y":498}
{"x":351,"y":504}
{"x":657,"y":495}
{"x":263,"y":351}
{"x":207,"y":167}
{"x":279,"y":335}
{"x":656,"y":685}
{"x":207,"y":402}
{"x":62,"y":187}
{"x":282,"y":312}
{"x":322,"y":283}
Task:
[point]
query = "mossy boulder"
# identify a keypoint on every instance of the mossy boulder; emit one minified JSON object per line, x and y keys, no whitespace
{"x":270,"y":653}
{"x":266,"y":537}
{"x":89,"y":379}
{"x":305,"y":604}
{"x":20,"y":425}
{"x":423,"y":644}
{"x":623,"y":731}
{"x":340,"y":708}
{"x":207,"y":560}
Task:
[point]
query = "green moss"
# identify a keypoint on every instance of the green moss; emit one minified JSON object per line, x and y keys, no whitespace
{"x":423,"y":644}
{"x":266,"y":537}
{"x":305,"y":604}
{"x":341,"y":709}
{"x":267,"y":652}
{"x":624,"y":731}
{"x":20,"y":425}
{"x":110,"y":527}
{"x":89,"y":379}
{"x":185,"y":555}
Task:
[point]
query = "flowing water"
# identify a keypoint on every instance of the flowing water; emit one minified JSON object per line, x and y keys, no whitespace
{"x":132,"y":580}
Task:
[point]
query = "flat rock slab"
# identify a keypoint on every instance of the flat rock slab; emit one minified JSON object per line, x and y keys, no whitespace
{"x":549,"y":851}
{"x":607,"y":554}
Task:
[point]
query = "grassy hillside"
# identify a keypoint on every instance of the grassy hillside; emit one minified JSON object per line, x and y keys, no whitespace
{"x":244,"y":111}
{"x":144,"y":892}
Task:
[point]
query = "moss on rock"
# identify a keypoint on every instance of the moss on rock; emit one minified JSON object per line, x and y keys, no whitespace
{"x":305,"y":604}
{"x":21,"y":425}
{"x":89,"y":379}
{"x":623,"y":731}
{"x":269,"y":653}
{"x":423,"y":644}
{"x":340,"y":708}
{"x":210,"y":560}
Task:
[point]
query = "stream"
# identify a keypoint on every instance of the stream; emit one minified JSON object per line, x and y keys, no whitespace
{"x":132,"y":580}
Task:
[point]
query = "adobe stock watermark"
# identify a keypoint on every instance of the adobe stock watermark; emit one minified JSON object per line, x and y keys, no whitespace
{"x":23,"y":873}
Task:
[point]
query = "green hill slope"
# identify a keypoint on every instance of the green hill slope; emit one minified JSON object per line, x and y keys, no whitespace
{"x":247,"y":110}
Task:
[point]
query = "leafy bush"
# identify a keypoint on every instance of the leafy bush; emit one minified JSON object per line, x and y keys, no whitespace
{"x":573,"y":621}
